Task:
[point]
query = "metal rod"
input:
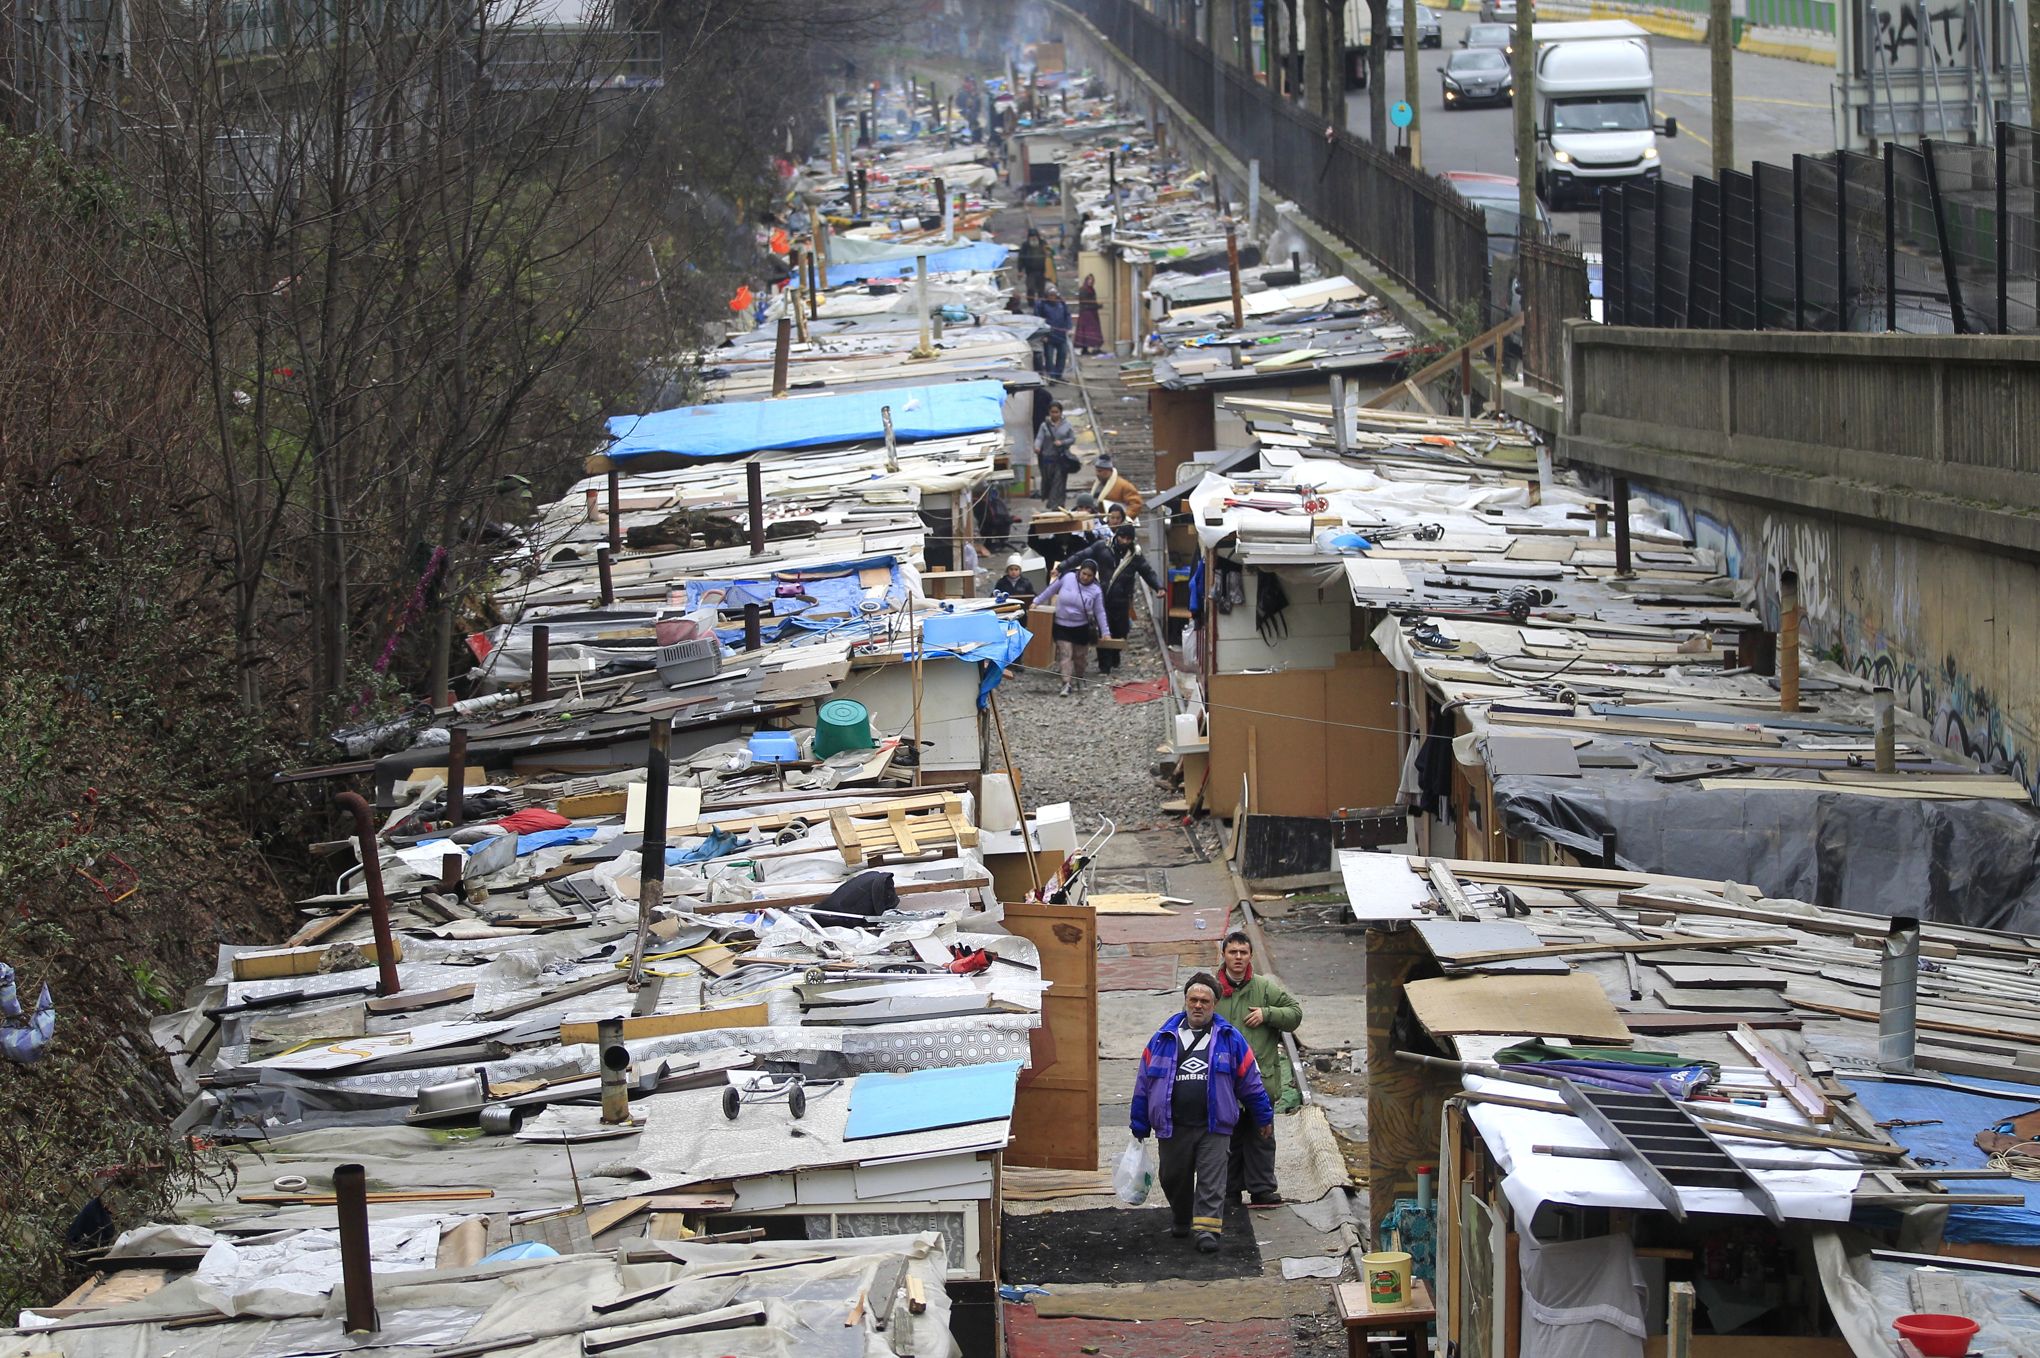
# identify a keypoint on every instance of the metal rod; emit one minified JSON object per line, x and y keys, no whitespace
{"x":357,"y":1262}
{"x":1623,"y":570}
{"x":1898,"y":996}
{"x":456,"y":775}
{"x":541,"y":663}
{"x":386,"y":982}
{"x":615,"y":511}
{"x":754,"y":635}
{"x":1232,"y":264}
{"x":1788,"y":641}
{"x":652,"y":845}
{"x":923,"y":349}
{"x":1340,"y":443}
{"x":1019,"y":798}
{"x":754,"y":494}
{"x":782,"y":346}
{"x":1887,"y":746}
{"x":604,"y":574}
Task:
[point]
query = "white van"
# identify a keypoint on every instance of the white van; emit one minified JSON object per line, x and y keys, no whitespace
{"x":1595,"y":115}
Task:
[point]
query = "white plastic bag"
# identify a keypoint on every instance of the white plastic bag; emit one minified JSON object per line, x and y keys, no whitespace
{"x":1133,"y":1176}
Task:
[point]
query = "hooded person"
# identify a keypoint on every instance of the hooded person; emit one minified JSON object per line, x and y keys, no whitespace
{"x":1125,"y":565}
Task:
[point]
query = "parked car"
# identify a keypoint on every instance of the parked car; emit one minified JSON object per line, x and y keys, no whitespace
{"x":1430,"y":33}
{"x":1497,"y":197}
{"x":1499,"y":11}
{"x":1489,"y":35}
{"x":1478,"y":75}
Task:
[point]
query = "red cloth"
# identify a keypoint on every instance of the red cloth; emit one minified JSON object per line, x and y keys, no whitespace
{"x":1225,"y":985}
{"x":532,"y":819}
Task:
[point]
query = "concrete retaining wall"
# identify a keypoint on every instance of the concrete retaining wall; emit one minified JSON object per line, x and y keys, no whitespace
{"x":1900,"y":476}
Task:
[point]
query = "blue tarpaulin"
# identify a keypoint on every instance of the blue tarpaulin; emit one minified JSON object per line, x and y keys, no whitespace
{"x":977,"y":255}
{"x":976,"y":636}
{"x":1954,"y":1114}
{"x":926,"y":1100}
{"x":734,"y":428}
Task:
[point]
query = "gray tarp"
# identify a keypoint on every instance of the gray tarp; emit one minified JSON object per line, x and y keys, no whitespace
{"x":1954,"y":862}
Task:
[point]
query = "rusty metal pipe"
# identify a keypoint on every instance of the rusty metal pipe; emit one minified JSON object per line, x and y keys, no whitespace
{"x":357,"y":1264}
{"x":1622,"y":567}
{"x":1887,"y":736}
{"x":782,"y":348}
{"x":378,"y":899}
{"x":652,"y":843}
{"x":541,"y":663}
{"x":1232,"y":264}
{"x":606,"y":575}
{"x":614,"y":1060}
{"x":754,"y":635}
{"x":754,"y":493}
{"x":615,"y":512}
{"x":456,"y":775}
{"x":1788,"y":641}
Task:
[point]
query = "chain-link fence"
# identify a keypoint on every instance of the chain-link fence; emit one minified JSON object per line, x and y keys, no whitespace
{"x":1414,"y":225}
{"x":1937,"y":238}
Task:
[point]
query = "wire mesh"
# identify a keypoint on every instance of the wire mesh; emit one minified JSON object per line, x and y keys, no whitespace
{"x":1674,"y":252}
{"x":1703,"y":273}
{"x":1740,"y":262}
{"x":1918,"y":281}
{"x":1777,"y":246}
{"x":1639,"y":226}
{"x":1965,"y":193}
{"x":2019,"y":217}
{"x":1817,"y":230}
{"x":1861,"y":219}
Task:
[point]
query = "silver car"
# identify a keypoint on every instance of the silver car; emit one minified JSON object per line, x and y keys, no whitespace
{"x":1430,"y":33}
{"x":1498,"y":11}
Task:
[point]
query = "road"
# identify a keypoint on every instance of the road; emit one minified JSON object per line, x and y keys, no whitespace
{"x":1782,"y":109}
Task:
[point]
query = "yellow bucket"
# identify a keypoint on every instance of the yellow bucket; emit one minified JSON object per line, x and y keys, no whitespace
{"x":1388,"y":1277}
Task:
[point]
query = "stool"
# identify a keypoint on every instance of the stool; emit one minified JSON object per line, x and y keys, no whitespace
{"x":1364,"y":1320}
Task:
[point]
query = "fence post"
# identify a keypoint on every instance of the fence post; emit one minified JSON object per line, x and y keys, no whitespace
{"x":1798,"y":243}
{"x":1948,"y":269}
{"x":1890,"y":235}
{"x":2004,"y":230}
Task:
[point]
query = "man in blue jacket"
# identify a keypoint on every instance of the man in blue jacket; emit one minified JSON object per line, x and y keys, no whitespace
{"x":1197,"y":1080}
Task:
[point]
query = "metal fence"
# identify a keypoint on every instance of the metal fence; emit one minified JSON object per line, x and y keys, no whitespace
{"x":1415,"y":226}
{"x":1934,"y":238}
{"x":1554,"y":279}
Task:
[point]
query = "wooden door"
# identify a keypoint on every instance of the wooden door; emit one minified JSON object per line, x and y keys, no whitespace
{"x":1055,"y":1118}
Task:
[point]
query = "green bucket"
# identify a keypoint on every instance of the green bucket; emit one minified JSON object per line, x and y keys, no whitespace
{"x":842,"y":725}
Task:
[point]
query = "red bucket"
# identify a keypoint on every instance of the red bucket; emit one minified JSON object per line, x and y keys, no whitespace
{"x":1937,"y":1335}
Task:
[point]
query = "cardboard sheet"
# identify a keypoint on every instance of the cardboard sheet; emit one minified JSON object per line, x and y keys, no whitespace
{"x":1530,"y":1006}
{"x":1127,"y":903}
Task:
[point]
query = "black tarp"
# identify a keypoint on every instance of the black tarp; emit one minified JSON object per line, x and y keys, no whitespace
{"x":1955,"y":862}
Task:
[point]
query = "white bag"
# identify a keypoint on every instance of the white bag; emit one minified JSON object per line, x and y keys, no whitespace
{"x":1133,"y":1176}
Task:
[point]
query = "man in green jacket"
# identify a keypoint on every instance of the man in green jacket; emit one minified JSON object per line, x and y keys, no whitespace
{"x":1262,"y":1010}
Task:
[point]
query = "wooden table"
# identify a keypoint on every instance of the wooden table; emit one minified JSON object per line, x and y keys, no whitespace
{"x":1363,"y":1320}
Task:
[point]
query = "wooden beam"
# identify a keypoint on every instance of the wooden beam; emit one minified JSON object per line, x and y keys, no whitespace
{"x":1448,"y":362}
{"x":1795,"y":1084}
{"x":1615,"y":945}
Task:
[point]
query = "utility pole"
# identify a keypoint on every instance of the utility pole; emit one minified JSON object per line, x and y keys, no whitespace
{"x":1524,"y":106}
{"x":1721,"y":48}
{"x":1410,"y":75}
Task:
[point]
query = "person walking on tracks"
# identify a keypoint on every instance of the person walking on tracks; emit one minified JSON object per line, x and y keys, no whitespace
{"x":1198,"y":1082}
{"x":1052,"y":456}
{"x":1079,"y":620}
{"x":1034,"y":264}
{"x":1262,"y":1011}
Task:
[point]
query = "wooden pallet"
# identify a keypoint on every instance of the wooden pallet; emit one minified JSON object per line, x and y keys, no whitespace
{"x":904,"y":831}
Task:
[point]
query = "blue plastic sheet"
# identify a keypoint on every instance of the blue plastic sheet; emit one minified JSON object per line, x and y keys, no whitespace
{"x":734,"y":428}
{"x":718,"y":844}
{"x":996,"y":641}
{"x":1955,"y":1116}
{"x":545,"y":839}
{"x":978,"y":256}
{"x":830,"y":594}
{"x":925,"y":1100}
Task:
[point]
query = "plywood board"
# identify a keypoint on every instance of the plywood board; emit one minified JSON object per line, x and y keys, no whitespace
{"x":666,"y":1025}
{"x":1126,"y":903}
{"x":1055,"y":1116}
{"x":1382,"y":886}
{"x":1719,"y":977}
{"x":1533,"y":1006}
{"x":1723,"y":1001}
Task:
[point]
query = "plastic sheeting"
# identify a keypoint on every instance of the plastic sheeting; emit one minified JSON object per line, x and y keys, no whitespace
{"x":998,"y":642}
{"x":734,"y":428}
{"x":1953,"y":1113}
{"x":1972,"y":862}
{"x":976,"y":257}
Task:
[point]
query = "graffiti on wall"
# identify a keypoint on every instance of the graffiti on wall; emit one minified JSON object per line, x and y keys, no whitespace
{"x":1908,"y":35}
{"x":1867,"y":618}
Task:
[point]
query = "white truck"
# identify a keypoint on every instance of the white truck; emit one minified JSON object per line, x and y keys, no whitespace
{"x":1595,"y":116}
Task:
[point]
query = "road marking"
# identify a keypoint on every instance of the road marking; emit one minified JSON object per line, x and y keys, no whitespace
{"x":1683,"y":131}
{"x":1744,"y":99}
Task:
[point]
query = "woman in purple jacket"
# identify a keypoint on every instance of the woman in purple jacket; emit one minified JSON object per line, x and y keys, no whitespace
{"x":1197,"y":1080}
{"x":1079,"y":619}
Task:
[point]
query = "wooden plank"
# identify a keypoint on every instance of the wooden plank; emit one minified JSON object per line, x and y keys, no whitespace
{"x":1719,"y":978}
{"x":1925,"y":1024}
{"x":1620,"y":945}
{"x":666,"y":1025}
{"x":395,"y":1195}
{"x":1633,"y":726}
{"x":609,"y":1215}
{"x":1798,"y":1088}
{"x":1733,"y":1003}
{"x":276,"y":966}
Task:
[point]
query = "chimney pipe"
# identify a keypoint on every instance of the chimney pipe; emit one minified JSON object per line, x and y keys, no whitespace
{"x":782,"y":346}
{"x":652,"y":845}
{"x":754,"y":495}
{"x":357,"y":1263}
{"x":1788,"y":641}
{"x":615,"y":512}
{"x":605,"y":574}
{"x":1887,"y":744}
{"x":615,"y":1059}
{"x":1340,"y":444}
{"x":1623,"y":570}
{"x":1897,"y":996}
{"x":541,"y":663}
{"x":386,"y":982}
{"x":456,"y":775}
{"x":754,"y":636}
{"x":924,"y":349}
